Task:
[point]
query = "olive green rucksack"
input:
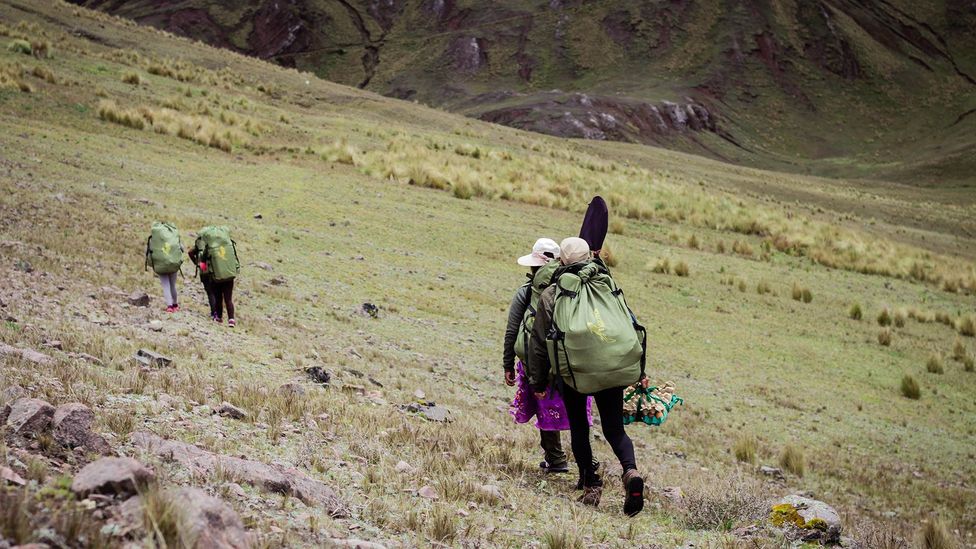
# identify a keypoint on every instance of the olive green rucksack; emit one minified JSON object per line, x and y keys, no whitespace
{"x":540,"y":281}
{"x":215,"y":247}
{"x":595,"y":342}
{"x":164,"y":252}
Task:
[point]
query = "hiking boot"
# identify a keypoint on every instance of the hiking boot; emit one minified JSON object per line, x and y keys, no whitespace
{"x":218,"y":320}
{"x":231,"y":323}
{"x":176,"y":308}
{"x":592,"y":488}
{"x":634,"y":492}
{"x":596,"y":469}
{"x":170,"y":309}
{"x":558,"y":468}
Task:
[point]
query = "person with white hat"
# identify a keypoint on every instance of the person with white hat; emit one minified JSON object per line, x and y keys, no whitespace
{"x":542,"y":261}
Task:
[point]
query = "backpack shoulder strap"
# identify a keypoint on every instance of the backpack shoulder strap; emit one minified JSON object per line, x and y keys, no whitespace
{"x":148,"y":252}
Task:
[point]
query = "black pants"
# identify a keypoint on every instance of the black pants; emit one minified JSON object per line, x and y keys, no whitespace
{"x":224,"y":295}
{"x":208,"y":286}
{"x":610,"y":402}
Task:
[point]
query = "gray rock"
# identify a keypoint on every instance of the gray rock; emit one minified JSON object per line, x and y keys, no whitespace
{"x":227,"y":409}
{"x":155,"y":325}
{"x":29,"y":355}
{"x":207,"y":521}
{"x":276,"y":478}
{"x":144,"y":357}
{"x":12,"y":393}
{"x":278,"y":281}
{"x":24,"y":266}
{"x":291,"y":389}
{"x":29,"y":416}
{"x":87,"y":358}
{"x":819,"y":520}
{"x":774,"y":472}
{"x":139,"y":299}
{"x":72,"y":428}
{"x":8,"y":475}
{"x":111,"y":475}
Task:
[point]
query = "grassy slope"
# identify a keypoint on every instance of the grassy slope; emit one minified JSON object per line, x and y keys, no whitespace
{"x":788,"y":372}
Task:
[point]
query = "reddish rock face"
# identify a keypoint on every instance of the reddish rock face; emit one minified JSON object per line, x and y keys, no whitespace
{"x":111,"y":475}
{"x":29,"y":417}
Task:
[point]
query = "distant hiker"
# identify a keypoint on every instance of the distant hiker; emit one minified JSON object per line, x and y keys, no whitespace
{"x":550,"y":412}
{"x":206,"y":277}
{"x":585,"y":334}
{"x":215,"y":249}
{"x":164,"y":253}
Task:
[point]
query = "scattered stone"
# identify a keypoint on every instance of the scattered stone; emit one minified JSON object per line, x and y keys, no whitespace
{"x":9,"y":475}
{"x":24,"y":266}
{"x":774,"y":472}
{"x":354,"y":389}
{"x":227,"y":409}
{"x":356,"y":373}
{"x":430,"y":412}
{"x":237,"y":490}
{"x":263,"y":266}
{"x":276,"y":478}
{"x":291,"y":389}
{"x":371,"y":310}
{"x":420,"y":394}
{"x":13,"y":393}
{"x":673,"y":493}
{"x":87,"y":358}
{"x":29,"y":416}
{"x":374,"y":381}
{"x":139,"y":299}
{"x":144,"y":357}
{"x":428,"y":492}
{"x":807,"y":519}
{"x":155,"y":325}
{"x":29,"y":355}
{"x":258,"y":216}
{"x":278,"y":281}
{"x":53,"y":344}
{"x":318,"y":375}
{"x":206,"y":521}
{"x":111,"y":475}
{"x":403,"y":467}
{"x":72,"y":428}
{"x":355,"y":543}
{"x":491,"y":491}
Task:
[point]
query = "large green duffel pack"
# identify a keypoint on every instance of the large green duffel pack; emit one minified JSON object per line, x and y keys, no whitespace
{"x":595,"y":342}
{"x":216,"y":248}
{"x":164,"y":253}
{"x":540,"y":281}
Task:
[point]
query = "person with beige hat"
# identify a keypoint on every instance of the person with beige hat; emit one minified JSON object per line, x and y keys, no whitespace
{"x":604,"y":369}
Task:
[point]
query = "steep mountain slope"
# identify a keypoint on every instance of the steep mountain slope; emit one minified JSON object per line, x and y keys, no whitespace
{"x":837,"y":87}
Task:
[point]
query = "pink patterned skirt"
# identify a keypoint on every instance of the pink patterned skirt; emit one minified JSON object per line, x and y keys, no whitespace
{"x":550,"y":412}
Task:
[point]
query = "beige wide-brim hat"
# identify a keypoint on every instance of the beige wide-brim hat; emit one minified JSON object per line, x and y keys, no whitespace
{"x":543,"y":251}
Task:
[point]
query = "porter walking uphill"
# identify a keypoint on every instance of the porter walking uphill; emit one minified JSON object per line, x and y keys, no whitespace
{"x":164,"y":253}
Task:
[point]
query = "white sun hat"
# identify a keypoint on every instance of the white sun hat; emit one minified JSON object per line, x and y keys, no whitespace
{"x":543,"y":251}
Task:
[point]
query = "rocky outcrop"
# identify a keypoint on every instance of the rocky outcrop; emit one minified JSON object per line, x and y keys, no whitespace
{"x":112,"y":476}
{"x":72,"y":428}
{"x":269,"y":477}
{"x":468,"y":54}
{"x":28,"y":417}
{"x":206,"y":521}
{"x":806,"y":519}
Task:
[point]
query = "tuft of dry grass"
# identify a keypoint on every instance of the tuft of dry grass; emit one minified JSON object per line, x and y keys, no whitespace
{"x":711,"y":505}
{"x":884,"y":317}
{"x":959,"y":350}
{"x":617,"y":226}
{"x":745,"y":449}
{"x":935,"y":364}
{"x":110,"y":112}
{"x":855,"y":312}
{"x":663,"y":266}
{"x":442,"y":524}
{"x":763,"y":288}
{"x":609,"y":257}
{"x":884,"y":337}
{"x":934,"y":534}
{"x":681,"y":269}
{"x":792,"y":460}
{"x":899,"y":318}
{"x":561,"y":537}
{"x":693,"y":242}
{"x":132,"y":78}
{"x":967,"y":326}
{"x":910,"y":388}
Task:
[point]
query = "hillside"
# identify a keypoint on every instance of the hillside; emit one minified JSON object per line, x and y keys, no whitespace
{"x":854,"y":88}
{"x":807,"y":308}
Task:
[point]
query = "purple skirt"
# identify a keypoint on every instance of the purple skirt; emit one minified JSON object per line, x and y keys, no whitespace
{"x":550,"y":412}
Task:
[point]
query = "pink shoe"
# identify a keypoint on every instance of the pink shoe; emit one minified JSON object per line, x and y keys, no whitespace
{"x":231,"y":322}
{"x":218,"y":320}
{"x":176,"y":308}
{"x":170,"y":309}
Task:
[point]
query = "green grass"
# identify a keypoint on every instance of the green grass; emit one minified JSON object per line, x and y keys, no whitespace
{"x":342,"y":231}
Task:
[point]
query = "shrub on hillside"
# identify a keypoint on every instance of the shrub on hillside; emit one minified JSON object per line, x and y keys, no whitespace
{"x":933,"y":534}
{"x":967,"y":326}
{"x":693,"y":242}
{"x":745,"y":449}
{"x":617,"y":226}
{"x":608,"y":257}
{"x":742,"y":286}
{"x":663,"y":266}
{"x":884,"y":317}
{"x":720,"y":247}
{"x":797,"y":292}
{"x":132,"y":78}
{"x":959,"y":350}
{"x":20,"y":46}
{"x":709,"y":506}
{"x":968,"y":363}
{"x":855,"y":312}
{"x":743,"y":248}
{"x":910,"y":388}
{"x":110,"y":112}
{"x":42,"y":49}
{"x":45,"y":74}
{"x":884,"y":337}
{"x":899,"y":318}
{"x":934,"y":365}
{"x":792,"y":460}
{"x":681,"y":269}
{"x":763,"y":288}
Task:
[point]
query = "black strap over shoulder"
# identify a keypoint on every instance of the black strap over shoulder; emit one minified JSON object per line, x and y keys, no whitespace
{"x":148,"y":253}
{"x":643,"y":361}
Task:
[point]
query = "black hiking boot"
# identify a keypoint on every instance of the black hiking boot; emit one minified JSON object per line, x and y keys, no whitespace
{"x":634,"y":492}
{"x":592,"y":488}
{"x":556,"y":468}
{"x":596,"y":469}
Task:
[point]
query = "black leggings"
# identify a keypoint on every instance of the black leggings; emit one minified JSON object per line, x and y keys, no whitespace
{"x":610,"y":402}
{"x":208,"y":286}
{"x":224,"y":294}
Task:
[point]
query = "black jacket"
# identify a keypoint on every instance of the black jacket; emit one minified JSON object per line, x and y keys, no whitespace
{"x":515,"y":313}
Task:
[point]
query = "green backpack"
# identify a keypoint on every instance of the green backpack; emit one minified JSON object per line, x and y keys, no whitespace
{"x":164,"y":252}
{"x":595,"y":342}
{"x":540,"y":281}
{"x":215,"y":247}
